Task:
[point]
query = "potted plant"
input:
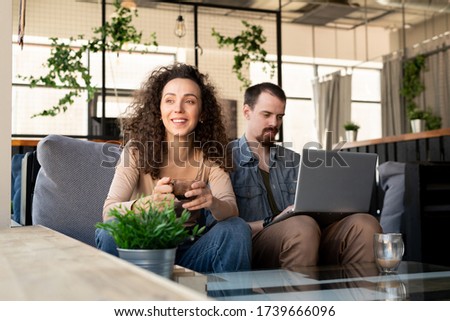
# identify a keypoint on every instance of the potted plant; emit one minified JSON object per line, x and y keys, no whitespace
{"x":248,"y":48}
{"x":149,"y":236}
{"x":351,"y":131}
{"x":417,"y":117}
{"x":423,"y":120}
{"x":412,"y":87}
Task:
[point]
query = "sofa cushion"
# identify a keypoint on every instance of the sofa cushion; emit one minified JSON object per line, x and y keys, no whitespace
{"x":72,"y":184}
{"x":392,"y":182}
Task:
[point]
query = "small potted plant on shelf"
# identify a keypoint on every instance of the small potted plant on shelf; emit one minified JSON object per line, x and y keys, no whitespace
{"x":149,"y":236}
{"x":351,"y":131}
{"x":417,"y":118}
{"x":423,"y":120}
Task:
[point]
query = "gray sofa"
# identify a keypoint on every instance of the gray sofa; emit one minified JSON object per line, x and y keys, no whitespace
{"x":75,"y":176}
{"x":72,"y":184}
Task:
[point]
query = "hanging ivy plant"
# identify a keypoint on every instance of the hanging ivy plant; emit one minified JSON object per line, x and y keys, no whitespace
{"x":412,"y":88}
{"x":412,"y":83}
{"x":66,"y":69}
{"x":248,"y":48}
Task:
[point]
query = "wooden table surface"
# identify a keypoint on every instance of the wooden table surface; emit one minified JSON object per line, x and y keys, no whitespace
{"x":37,"y":263}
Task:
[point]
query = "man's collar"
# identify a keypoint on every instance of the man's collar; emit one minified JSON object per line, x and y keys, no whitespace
{"x":247,"y":154}
{"x":245,"y":151}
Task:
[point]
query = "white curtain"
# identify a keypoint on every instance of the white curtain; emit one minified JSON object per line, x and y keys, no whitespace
{"x":332,"y":101}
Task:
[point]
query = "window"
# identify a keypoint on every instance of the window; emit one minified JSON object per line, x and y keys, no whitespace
{"x":299,"y":123}
{"x":124,"y":73}
{"x":366,"y":106}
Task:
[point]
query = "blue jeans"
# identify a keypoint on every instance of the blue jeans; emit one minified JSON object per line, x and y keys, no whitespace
{"x":224,"y":247}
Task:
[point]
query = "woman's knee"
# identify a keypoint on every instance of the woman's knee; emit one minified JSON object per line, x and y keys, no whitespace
{"x":105,"y":242}
{"x":234,"y":230}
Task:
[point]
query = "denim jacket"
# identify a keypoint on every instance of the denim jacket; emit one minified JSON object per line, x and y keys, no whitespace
{"x":248,"y":184}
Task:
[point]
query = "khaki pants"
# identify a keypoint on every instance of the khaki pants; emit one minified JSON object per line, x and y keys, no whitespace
{"x":299,"y":241}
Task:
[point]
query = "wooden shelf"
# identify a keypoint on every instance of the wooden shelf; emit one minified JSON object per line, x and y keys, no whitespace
{"x":433,"y":145}
{"x":400,"y":138}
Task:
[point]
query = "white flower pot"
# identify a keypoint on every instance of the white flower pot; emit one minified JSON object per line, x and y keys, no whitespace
{"x":350,"y":135}
{"x":157,"y":261}
{"x":417,"y":125}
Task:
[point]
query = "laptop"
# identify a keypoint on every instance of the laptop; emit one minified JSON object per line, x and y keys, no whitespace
{"x":332,"y":185}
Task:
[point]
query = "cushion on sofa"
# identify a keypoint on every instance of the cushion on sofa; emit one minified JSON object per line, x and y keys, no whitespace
{"x":72,"y":184}
{"x":392,"y":182}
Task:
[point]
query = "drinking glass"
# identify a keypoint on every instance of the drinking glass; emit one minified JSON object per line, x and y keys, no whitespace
{"x":180,"y":187}
{"x":388,"y":250}
{"x":391,"y":288}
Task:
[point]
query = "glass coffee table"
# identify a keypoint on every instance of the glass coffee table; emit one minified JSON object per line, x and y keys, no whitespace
{"x":413,"y":281}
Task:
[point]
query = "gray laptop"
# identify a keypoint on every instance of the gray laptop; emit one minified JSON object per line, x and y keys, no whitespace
{"x":332,"y":185}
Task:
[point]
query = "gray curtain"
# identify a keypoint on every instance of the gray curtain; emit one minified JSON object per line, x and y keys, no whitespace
{"x":436,"y":96}
{"x":393,"y":115}
{"x":332,"y":100}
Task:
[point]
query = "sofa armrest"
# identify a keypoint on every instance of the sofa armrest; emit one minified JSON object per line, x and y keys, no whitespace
{"x":72,"y":184}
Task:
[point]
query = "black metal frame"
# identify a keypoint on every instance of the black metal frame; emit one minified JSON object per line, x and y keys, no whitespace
{"x":196,"y":46}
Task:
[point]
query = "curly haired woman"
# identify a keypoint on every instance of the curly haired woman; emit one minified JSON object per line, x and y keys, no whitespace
{"x":173,"y":130}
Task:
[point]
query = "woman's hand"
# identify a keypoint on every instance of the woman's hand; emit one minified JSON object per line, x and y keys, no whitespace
{"x":160,"y":198}
{"x":202,"y":197}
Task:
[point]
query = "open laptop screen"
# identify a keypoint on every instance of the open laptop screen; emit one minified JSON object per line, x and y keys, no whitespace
{"x":333,"y":182}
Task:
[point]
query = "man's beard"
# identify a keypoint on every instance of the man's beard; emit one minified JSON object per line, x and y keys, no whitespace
{"x":267,"y":140}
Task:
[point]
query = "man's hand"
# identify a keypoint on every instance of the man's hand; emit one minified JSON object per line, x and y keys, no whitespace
{"x":287,"y":212}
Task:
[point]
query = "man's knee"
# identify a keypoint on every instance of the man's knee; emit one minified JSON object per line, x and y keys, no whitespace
{"x":299,"y":241}
{"x":364,"y":223}
{"x":301,"y":227}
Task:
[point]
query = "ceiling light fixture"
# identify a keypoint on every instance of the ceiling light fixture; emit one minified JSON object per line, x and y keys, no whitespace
{"x":180,"y":26}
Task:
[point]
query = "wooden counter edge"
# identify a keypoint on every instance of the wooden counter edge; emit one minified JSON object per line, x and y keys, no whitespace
{"x":399,"y":138}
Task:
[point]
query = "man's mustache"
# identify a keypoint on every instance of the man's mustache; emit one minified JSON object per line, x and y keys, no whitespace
{"x":270,"y":129}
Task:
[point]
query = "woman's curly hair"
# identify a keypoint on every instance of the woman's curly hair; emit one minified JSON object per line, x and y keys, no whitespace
{"x":143,"y":128}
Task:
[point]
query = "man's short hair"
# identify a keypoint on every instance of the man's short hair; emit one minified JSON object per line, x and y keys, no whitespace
{"x":252,"y":93}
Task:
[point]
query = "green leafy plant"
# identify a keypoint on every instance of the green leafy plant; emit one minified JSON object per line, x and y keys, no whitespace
{"x":431,"y":121}
{"x":417,"y":114}
{"x":66,"y":68}
{"x":149,"y":228}
{"x":412,"y":82}
{"x":351,"y":126}
{"x":412,"y":88}
{"x":248,"y":48}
